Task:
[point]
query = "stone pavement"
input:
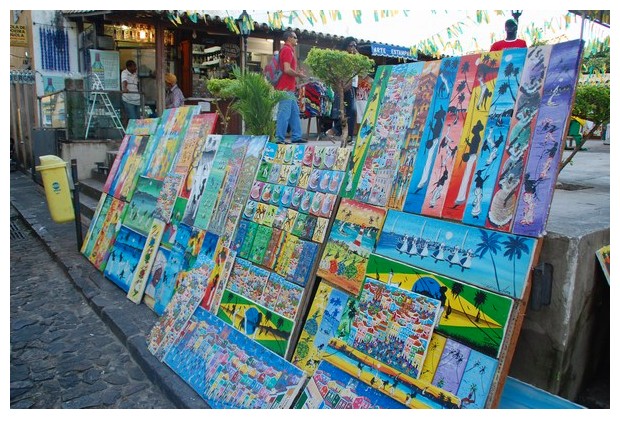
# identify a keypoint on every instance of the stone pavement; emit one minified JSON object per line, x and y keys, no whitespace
{"x":62,"y":354}
{"x":76,"y":340}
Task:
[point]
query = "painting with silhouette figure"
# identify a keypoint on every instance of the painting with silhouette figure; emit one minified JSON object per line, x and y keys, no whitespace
{"x":522,"y":126}
{"x":229,"y":370}
{"x":456,"y":120}
{"x":465,"y":159}
{"x":494,"y":140}
{"x":496,"y":261}
{"x":124,"y":256}
{"x":431,"y":137}
{"x":471,"y":315}
{"x":162,"y":279}
{"x":140,"y":211}
{"x":545,"y":153}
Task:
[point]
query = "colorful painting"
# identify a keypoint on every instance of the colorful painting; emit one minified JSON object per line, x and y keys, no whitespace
{"x":168,"y":196}
{"x":493,"y":260}
{"x":140,"y":211}
{"x":423,"y":93}
{"x":451,"y":366}
{"x":466,"y":158}
{"x":411,"y":392}
{"x":103,"y":242}
{"x":324,"y":317}
{"x":124,"y":256}
{"x":199,"y":178}
{"x":172,"y":227}
{"x":381,"y":160}
{"x":522,"y":126}
{"x":199,"y":127}
{"x":122,"y":179}
{"x":393,"y":326}
{"x":352,"y":238}
{"x":332,"y":388}
{"x":365,"y":133}
{"x":142,"y":127}
{"x":229,"y":370}
{"x":143,"y":269}
{"x":494,"y":141}
{"x":435,"y":350}
{"x":473,"y":316}
{"x":476,"y":380}
{"x":604,"y":258}
{"x":262,"y":325}
{"x":162,"y":279}
{"x":96,"y":223}
{"x":246,"y":177}
{"x":190,"y":289}
{"x":229,"y":183}
{"x":218,"y":277}
{"x":545,"y":152}
{"x":432,"y":135}
{"x":456,"y":119}
{"x":218,"y":290}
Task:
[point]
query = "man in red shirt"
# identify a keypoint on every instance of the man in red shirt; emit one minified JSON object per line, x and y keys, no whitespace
{"x":288,"y":109}
{"x":511,"y":40}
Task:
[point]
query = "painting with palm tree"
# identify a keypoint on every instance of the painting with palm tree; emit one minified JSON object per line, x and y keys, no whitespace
{"x":493,"y":260}
{"x":456,"y":120}
{"x":451,"y":366}
{"x":494,"y":140}
{"x":435,"y":350}
{"x":476,"y":380}
{"x":229,"y":370}
{"x":266,"y":327}
{"x":471,"y":315}
{"x":545,"y":149}
{"x":465,"y":159}
{"x":324,"y":318}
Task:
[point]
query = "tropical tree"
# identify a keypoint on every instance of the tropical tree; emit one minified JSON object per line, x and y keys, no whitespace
{"x":479,"y":299}
{"x":337,"y":69}
{"x":220,"y":90}
{"x":515,"y":248}
{"x":490,"y":243}
{"x":255,"y":100}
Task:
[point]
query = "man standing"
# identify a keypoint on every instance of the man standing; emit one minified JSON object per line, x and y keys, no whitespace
{"x":288,"y":109}
{"x":129,"y":87}
{"x":174,"y":95}
{"x":511,"y":40}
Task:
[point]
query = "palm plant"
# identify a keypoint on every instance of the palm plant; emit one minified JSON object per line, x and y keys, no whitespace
{"x":255,"y":100}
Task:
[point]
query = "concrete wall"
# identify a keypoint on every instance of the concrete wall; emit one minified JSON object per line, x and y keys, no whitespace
{"x":561,"y":345}
{"x":87,"y":153}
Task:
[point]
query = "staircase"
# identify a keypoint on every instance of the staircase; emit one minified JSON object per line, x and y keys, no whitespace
{"x":91,"y":190}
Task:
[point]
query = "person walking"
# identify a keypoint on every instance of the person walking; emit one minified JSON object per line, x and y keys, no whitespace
{"x":174,"y":95}
{"x":129,"y":88}
{"x":288,"y":109}
{"x":511,"y":40}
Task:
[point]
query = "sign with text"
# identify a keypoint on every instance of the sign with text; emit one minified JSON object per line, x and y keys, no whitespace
{"x":19,"y":35}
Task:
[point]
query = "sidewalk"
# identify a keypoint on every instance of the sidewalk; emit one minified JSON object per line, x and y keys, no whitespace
{"x":130,"y":323}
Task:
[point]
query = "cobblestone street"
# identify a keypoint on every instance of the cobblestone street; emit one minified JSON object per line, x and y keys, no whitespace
{"x":62,"y":353}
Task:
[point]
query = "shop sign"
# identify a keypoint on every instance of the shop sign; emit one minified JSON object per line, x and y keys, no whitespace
{"x":19,"y":35}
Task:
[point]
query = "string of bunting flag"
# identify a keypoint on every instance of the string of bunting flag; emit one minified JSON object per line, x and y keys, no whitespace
{"x":445,"y":42}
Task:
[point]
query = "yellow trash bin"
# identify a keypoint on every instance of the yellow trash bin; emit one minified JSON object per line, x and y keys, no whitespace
{"x":54,"y":174}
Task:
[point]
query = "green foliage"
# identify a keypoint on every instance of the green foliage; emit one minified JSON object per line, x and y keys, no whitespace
{"x":592,"y":102}
{"x":220,"y":89}
{"x":337,"y":69}
{"x":255,"y":100}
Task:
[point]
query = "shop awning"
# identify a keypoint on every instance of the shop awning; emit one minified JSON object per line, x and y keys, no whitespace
{"x":391,"y":51}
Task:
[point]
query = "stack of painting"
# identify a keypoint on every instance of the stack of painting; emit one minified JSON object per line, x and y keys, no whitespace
{"x":393,"y":274}
{"x":453,"y":173}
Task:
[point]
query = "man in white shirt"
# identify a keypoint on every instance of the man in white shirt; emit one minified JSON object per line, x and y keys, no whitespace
{"x":129,"y":87}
